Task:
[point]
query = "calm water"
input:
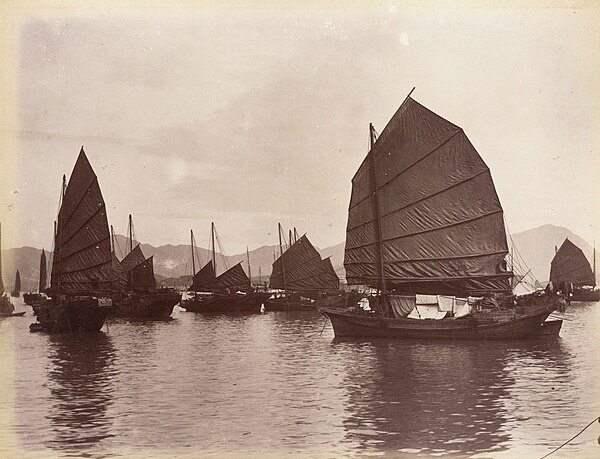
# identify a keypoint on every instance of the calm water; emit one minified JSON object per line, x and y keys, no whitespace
{"x":275,"y":384}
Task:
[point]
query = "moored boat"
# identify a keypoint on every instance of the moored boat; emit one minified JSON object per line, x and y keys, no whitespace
{"x":571,"y":272}
{"x":230,"y":292}
{"x":303,"y":278}
{"x":137,"y":294}
{"x":424,"y":218}
{"x":81,"y":266}
{"x":35,"y":298}
{"x":6,"y":307}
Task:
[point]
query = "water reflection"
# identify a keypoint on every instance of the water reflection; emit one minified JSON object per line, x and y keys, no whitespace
{"x":440,"y":397}
{"x":80,"y":370}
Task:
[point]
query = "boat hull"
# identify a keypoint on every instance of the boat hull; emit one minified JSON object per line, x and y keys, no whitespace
{"x":227,"y":303}
{"x":586,"y":295}
{"x":282,"y":304}
{"x":501,"y":325}
{"x":77,"y":315}
{"x":33,"y":299}
{"x":550,"y":328}
{"x":155,"y":305}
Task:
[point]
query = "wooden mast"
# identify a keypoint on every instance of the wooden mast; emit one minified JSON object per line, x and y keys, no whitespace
{"x":295,"y":235}
{"x":594,"y":263}
{"x":193,"y":261}
{"x":130,"y":234}
{"x":56,"y":242}
{"x":249,"y":271}
{"x":289,"y":238}
{"x":212,"y":238}
{"x":376,"y":220}
{"x":112,"y":239}
{"x":282,"y":263}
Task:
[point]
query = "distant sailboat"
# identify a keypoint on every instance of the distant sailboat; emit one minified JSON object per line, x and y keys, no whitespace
{"x":570,"y":267}
{"x":231,"y":291}
{"x":6,"y":307}
{"x":424,"y":218}
{"x":306,"y":279}
{"x":137,"y":293}
{"x":81,"y":274}
{"x":35,"y":298}
{"x":16,"y":292}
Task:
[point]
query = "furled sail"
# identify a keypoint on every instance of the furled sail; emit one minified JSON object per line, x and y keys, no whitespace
{"x":82,"y":256}
{"x":133,"y":258}
{"x":424,"y":215}
{"x":570,"y":265}
{"x":17,"y":288}
{"x":300,"y":268}
{"x":142,"y":276}
{"x":42,"y":281}
{"x":233,"y":279}
{"x":203,"y":278}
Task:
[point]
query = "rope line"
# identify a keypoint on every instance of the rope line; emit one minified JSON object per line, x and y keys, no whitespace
{"x":572,"y":438}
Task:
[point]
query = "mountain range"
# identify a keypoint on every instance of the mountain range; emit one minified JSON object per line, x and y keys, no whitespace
{"x":534,"y":250}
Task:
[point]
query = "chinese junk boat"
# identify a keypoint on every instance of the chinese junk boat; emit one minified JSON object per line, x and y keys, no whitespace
{"x":81,"y":276}
{"x":7,"y":309}
{"x":424,"y":218}
{"x":229,"y":292}
{"x":570,"y":267}
{"x":306,"y":279}
{"x":16,"y":292}
{"x":138,"y":295}
{"x":32,"y":298}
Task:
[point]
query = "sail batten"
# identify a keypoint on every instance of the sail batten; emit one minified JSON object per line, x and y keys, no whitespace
{"x":424,"y":210}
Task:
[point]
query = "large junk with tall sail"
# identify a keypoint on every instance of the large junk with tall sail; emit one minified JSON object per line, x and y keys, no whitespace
{"x":136,"y":293}
{"x":81,"y":277}
{"x":570,"y":271}
{"x":303,"y":277}
{"x":229,"y":292}
{"x":424,"y":218}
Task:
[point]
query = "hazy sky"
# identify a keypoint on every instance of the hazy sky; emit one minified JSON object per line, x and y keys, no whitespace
{"x":254,"y":116}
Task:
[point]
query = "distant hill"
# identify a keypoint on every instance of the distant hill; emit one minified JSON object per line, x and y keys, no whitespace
{"x":172,"y":263}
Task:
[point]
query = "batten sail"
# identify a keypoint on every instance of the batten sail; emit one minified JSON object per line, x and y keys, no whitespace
{"x":570,"y":265}
{"x":304,"y":269}
{"x":440,"y":220}
{"x":203,"y":278}
{"x":82,"y":260}
{"x":142,"y":276}
{"x":233,"y":279}
{"x":133,"y":258}
{"x":43,"y":276}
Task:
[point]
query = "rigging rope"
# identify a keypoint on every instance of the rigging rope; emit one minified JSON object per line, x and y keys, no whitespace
{"x":572,"y":438}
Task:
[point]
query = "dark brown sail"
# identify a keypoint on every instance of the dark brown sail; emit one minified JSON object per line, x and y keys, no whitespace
{"x":17,"y":288}
{"x":304,"y":269}
{"x":142,"y":276}
{"x":203,"y":278}
{"x":233,"y":279}
{"x":570,"y":265}
{"x":440,"y":224}
{"x":42,"y":281}
{"x":82,"y":260}
{"x":133,"y":258}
